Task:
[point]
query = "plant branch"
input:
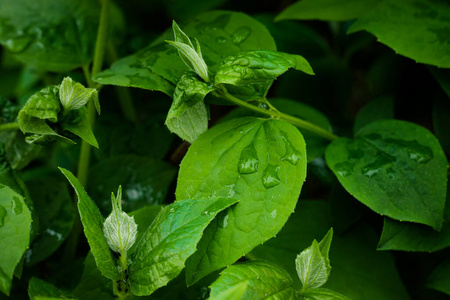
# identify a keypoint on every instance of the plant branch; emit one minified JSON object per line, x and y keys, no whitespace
{"x":278,"y":115}
{"x":9,"y":126}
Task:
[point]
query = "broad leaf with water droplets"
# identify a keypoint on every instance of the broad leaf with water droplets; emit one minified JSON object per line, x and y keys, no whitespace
{"x":396,"y":168}
{"x":15,"y":224}
{"x":244,"y":159}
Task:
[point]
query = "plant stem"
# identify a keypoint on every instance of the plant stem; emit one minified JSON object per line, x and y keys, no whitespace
{"x":121,"y":287}
{"x":279,"y":115}
{"x":9,"y":126}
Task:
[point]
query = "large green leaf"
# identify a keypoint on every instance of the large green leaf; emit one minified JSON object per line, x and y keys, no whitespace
{"x":144,"y":181}
{"x":327,"y":10}
{"x":55,"y":35}
{"x":422,"y":29}
{"x":53,"y":205}
{"x":315,"y":145}
{"x":396,"y":168}
{"x":258,"y":66}
{"x":15,"y":224}
{"x":260,"y":162}
{"x":263,"y":279}
{"x":161,"y":253}
{"x":158,"y":66}
{"x":439,"y":279}
{"x":358,"y":270}
{"x":92,"y":222}
{"x":188,"y":116}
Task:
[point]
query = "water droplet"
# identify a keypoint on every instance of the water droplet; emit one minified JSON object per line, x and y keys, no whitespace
{"x":370,"y":172}
{"x":292,"y":155}
{"x":344,"y":169}
{"x":2,"y":215}
{"x":16,"y":205}
{"x":172,"y":210}
{"x":248,"y":162}
{"x":18,"y":44}
{"x":270,"y":178}
{"x":257,"y":277}
{"x":225,"y":221}
{"x":273,"y":214}
{"x":241,"y":34}
{"x":221,"y":40}
{"x":382,"y":161}
{"x":54,"y":233}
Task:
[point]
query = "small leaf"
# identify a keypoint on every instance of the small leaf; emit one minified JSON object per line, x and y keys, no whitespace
{"x":15,"y":224}
{"x":180,"y":36}
{"x":77,"y":122}
{"x":253,"y":280}
{"x":311,"y":267}
{"x":396,"y":168}
{"x":119,"y":229}
{"x":73,"y":95}
{"x":92,"y":222}
{"x":324,"y":247}
{"x":323,"y":294}
{"x":188,"y":116}
{"x":258,"y":66}
{"x":161,"y":253}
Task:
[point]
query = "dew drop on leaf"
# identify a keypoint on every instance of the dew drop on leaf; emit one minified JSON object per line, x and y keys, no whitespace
{"x":273,"y":214}
{"x":2,"y":215}
{"x":344,"y":169}
{"x":241,"y":34}
{"x":270,"y":178}
{"x":16,"y":205}
{"x":221,"y":40}
{"x":292,"y":155}
{"x":248,"y":162}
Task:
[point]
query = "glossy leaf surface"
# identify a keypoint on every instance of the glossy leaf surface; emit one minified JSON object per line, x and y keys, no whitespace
{"x":421,"y":29}
{"x":261,"y":163}
{"x":15,"y":223}
{"x":161,"y":253}
{"x":398,"y":169}
{"x":262,"y":280}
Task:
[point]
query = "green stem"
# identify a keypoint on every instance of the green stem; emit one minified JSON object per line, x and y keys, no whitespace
{"x":102,"y":33}
{"x":121,"y":288}
{"x":279,"y":115}
{"x":9,"y":126}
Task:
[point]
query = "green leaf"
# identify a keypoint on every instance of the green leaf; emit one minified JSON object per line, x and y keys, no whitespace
{"x":77,"y":122}
{"x":161,"y":253}
{"x":256,"y":280}
{"x":359,"y":270}
{"x":53,"y":205}
{"x":252,"y":67}
{"x":188,"y":117}
{"x":396,"y":168}
{"x":119,"y":229}
{"x":39,"y":289}
{"x":53,"y":36}
{"x":92,"y":222}
{"x":323,"y":294}
{"x":15,"y":224}
{"x":439,"y":279}
{"x":407,"y":236}
{"x":42,"y":107}
{"x":144,"y":181}
{"x":443,"y":78}
{"x":421,"y":29}
{"x":73,"y":95}
{"x":158,"y":67}
{"x":378,"y":109}
{"x":441,"y":122}
{"x":260,"y":162}
{"x":327,"y":10}
{"x":315,"y":145}
{"x":18,"y":152}
{"x":313,"y":265}
{"x":235,"y":292}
